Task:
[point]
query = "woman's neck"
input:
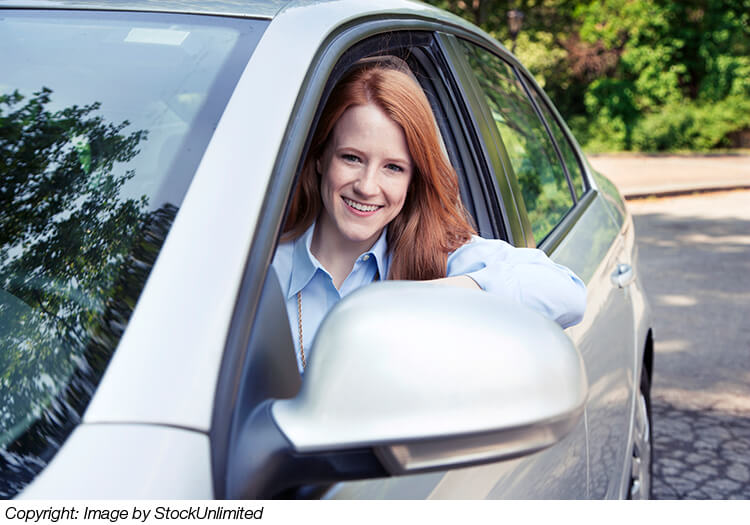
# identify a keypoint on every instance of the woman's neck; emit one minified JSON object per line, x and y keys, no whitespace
{"x":336,"y":253}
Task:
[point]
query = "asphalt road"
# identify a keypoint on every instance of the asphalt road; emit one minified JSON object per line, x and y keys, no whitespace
{"x":695,"y":264}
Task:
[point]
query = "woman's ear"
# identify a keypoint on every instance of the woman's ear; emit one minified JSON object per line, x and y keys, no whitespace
{"x":318,"y":168}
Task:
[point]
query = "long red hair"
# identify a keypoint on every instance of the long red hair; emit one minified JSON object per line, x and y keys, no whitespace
{"x":433,"y":221}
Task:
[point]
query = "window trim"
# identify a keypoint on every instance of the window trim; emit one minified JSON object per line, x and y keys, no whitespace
{"x":555,"y":237}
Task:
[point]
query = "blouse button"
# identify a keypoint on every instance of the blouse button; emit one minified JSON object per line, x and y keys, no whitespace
{"x":365,"y":257}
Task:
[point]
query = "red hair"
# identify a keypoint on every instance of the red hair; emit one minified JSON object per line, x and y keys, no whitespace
{"x":433,"y":222}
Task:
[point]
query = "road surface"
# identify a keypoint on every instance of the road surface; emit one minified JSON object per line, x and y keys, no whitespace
{"x":695,"y":264}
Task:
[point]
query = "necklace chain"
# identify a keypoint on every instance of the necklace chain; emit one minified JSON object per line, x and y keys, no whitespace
{"x":299,"y":324}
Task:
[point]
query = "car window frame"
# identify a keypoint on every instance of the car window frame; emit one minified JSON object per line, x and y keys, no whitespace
{"x":459,"y":107}
{"x":550,"y":135}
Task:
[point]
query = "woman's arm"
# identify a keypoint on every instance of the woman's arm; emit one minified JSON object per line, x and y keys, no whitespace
{"x":524,"y":275}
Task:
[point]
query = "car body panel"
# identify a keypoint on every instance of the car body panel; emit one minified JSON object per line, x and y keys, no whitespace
{"x":127,"y":461}
{"x":605,"y":340}
{"x":640,"y":307}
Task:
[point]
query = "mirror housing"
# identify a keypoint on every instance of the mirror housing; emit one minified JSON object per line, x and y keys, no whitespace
{"x":432,"y":377}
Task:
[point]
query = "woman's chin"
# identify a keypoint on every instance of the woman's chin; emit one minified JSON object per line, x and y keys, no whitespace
{"x":361,"y":236}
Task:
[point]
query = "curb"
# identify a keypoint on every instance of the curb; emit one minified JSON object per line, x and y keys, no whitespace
{"x":683,"y":191}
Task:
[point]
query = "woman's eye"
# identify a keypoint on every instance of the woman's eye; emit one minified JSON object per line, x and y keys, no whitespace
{"x":350,"y":158}
{"x":395,"y":168}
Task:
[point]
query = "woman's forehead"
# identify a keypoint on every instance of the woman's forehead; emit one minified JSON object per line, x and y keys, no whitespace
{"x":369,"y":126}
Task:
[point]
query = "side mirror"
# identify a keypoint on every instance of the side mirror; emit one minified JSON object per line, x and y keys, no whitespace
{"x":407,"y":377}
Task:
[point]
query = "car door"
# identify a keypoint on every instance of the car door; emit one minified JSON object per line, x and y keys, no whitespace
{"x":563,"y":214}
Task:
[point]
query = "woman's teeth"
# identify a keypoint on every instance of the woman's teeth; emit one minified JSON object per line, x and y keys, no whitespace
{"x":360,"y":207}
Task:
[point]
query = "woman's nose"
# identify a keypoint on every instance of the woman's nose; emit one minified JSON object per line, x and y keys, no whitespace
{"x":367,"y":183}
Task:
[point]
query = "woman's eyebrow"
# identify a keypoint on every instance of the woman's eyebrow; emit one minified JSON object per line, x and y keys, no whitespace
{"x":406,"y":160}
{"x":344,"y":147}
{"x":399,"y":160}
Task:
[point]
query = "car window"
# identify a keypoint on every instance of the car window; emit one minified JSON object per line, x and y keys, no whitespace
{"x":103,"y":120}
{"x":532,"y":154}
{"x":566,"y":149}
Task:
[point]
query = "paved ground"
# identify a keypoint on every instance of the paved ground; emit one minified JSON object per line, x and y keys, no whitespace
{"x":642,"y":175}
{"x":695,"y":264}
{"x":700,"y":454}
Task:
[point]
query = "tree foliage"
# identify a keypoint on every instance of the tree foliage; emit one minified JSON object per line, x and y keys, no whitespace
{"x":645,"y":75}
{"x":74,"y":254}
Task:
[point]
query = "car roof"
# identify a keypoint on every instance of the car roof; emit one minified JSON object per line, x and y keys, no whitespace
{"x":245,"y":8}
{"x":263,"y":9}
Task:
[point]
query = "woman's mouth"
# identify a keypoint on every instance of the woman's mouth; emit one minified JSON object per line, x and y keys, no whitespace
{"x":360,"y":208}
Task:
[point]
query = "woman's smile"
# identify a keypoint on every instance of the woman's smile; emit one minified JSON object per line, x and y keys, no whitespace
{"x":361,"y":209}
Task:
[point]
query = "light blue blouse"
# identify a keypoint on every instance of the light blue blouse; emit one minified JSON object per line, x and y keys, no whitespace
{"x":525,"y":275}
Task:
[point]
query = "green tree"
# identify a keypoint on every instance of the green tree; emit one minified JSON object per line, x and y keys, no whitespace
{"x":635,"y":74}
{"x":74,"y":253}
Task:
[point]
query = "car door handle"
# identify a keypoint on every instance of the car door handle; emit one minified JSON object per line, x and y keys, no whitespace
{"x":623,"y":275}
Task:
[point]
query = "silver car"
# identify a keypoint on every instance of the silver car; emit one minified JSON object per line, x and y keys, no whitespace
{"x":149,"y":150}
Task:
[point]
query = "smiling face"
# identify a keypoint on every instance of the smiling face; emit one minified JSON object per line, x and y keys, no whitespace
{"x":365,"y":173}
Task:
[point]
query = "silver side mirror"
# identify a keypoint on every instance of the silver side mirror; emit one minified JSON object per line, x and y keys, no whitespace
{"x":433,"y":377}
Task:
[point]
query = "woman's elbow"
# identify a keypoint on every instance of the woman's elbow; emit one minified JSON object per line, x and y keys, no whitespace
{"x":575,"y":305}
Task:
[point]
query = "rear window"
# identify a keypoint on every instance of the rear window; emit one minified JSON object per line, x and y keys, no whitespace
{"x":104,"y":117}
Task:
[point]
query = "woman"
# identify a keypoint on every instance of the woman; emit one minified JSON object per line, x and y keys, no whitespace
{"x":378,"y":199}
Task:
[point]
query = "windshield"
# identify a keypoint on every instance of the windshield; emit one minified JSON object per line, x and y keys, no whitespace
{"x":104,"y":117}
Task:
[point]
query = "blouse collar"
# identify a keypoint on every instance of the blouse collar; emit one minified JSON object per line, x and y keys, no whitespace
{"x":305,"y":264}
